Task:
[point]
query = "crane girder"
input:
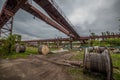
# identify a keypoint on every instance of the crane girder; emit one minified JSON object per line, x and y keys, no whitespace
{"x":9,"y":9}
{"x":34,"y":11}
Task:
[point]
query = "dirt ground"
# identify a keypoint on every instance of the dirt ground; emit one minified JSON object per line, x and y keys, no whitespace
{"x":35,"y":67}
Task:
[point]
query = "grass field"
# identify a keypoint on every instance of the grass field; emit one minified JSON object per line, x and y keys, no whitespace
{"x":77,"y":73}
{"x":116,"y":63}
{"x":29,"y":51}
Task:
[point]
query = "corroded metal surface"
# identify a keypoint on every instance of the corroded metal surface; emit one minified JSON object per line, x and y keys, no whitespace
{"x":9,"y":9}
{"x":99,"y":63}
{"x":57,"y":14}
{"x":32,"y":10}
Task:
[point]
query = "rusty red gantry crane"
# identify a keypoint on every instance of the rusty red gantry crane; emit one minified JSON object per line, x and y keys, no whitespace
{"x":58,"y":21}
{"x":12,"y":6}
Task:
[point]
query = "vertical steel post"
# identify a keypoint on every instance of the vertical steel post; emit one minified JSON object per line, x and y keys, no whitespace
{"x":71,"y":46}
{"x":0,"y":32}
{"x":11,"y":27}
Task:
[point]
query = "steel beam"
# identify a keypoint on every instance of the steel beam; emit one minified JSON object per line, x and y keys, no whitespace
{"x":94,"y":37}
{"x":32,"y":10}
{"x":9,"y":9}
{"x":68,"y":39}
{"x":7,"y":29}
{"x":55,"y":13}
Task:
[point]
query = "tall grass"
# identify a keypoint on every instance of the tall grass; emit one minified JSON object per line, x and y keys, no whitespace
{"x":29,"y":51}
{"x":77,"y":73}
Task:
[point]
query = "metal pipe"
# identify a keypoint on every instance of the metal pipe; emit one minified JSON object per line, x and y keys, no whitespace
{"x":32,"y":10}
{"x":57,"y":15}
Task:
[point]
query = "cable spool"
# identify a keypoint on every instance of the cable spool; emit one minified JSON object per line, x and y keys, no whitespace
{"x":43,"y":49}
{"x":96,"y":49}
{"x":98,"y":63}
{"x":20,"y":48}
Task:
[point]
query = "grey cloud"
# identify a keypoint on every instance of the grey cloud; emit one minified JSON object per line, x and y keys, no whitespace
{"x":104,"y":15}
{"x":1,"y":4}
{"x":94,"y":15}
{"x":35,"y":28}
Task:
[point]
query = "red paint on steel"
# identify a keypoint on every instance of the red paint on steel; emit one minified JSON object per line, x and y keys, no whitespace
{"x":94,"y":37}
{"x":9,"y":9}
{"x":68,"y":39}
{"x":32,"y":10}
{"x":54,"y":13}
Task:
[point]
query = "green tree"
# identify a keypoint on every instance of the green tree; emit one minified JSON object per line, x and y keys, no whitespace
{"x":107,"y":32}
{"x":92,"y":34}
{"x":18,"y":38}
{"x":8,"y":44}
{"x":112,"y":33}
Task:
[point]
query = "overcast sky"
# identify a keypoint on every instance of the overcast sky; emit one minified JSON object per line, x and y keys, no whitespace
{"x":86,"y":15}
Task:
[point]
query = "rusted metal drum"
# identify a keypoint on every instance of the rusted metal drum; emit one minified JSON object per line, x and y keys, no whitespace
{"x":98,"y":63}
{"x":20,"y":48}
{"x":43,"y":49}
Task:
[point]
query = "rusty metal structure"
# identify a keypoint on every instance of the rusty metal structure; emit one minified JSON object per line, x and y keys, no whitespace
{"x":7,"y":29}
{"x":68,"y":39}
{"x":57,"y":19}
{"x":56,"y":13}
{"x":32,"y":10}
{"x":8,"y":11}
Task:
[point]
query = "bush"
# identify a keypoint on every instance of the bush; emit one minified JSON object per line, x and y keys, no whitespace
{"x":8,"y":44}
